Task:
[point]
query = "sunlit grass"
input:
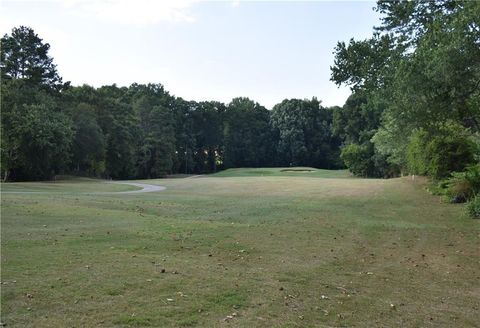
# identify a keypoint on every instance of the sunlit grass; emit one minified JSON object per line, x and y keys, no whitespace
{"x":284,"y":171}
{"x":262,"y":251}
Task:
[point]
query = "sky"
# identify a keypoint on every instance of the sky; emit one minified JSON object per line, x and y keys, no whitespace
{"x":199,"y":50}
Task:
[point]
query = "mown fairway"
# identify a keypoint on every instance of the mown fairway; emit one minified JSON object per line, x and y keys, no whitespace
{"x":264,"y":250}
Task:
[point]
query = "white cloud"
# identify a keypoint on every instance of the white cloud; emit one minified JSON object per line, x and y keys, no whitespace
{"x":235,"y":3}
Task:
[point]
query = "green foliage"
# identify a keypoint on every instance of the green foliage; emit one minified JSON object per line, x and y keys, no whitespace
{"x":362,"y":160}
{"x":439,"y":153}
{"x":417,"y":158}
{"x":157,"y":147}
{"x":305,"y":137}
{"x":247,"y":134}
{"x":458,"y":191}
{"x":449,"y":154}
{"x":36,"y":135}
{"x":121,"y":137}
{"x":25,"y":56}
{"x":89,"y":142}
{"x":437,"y":188}
{"x":383,"y":140}
{"x":462,"y":186}
{"x":365,"y":65}
{"x":356,"y":124}
{"x":473,"y":207}
{"x":207,"y":124}
{"x":156,"y":144}
{"x":38,"y":144}
{"x":356,"y":158}
{"x":422,"y":64}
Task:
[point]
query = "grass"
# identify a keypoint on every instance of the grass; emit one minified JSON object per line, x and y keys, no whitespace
{"x":72,"y":185}
{"x":239,"y":251}
{"x":285,"y":172}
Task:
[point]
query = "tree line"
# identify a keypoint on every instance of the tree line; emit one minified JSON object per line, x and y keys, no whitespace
{"x":141,"y":131}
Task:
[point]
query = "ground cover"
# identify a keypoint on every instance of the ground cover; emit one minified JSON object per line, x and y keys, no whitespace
{"x":239,"y":251}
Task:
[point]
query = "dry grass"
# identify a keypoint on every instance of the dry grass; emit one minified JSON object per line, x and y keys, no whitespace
{"x":276,"y":251}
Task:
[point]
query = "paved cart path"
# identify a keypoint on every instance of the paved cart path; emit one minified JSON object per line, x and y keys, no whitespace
{"x":145,"y":187}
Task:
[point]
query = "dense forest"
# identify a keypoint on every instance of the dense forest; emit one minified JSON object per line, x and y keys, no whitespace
{"x":414,"y":109}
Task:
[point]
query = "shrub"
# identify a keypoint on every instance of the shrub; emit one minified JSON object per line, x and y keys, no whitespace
{"x":473,"y":207}
{"x":362,"y":160}
{"x":463,"y":186}
{"x":417,"y":159}
{"x":438,"y":188}
{"x":438,"y":153}
{"x":357,"y":158}
{"x":448,"y":154}
{"x":459,"y":192}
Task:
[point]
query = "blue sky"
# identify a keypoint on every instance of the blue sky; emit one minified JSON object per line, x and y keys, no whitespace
{"x":199,"y":50}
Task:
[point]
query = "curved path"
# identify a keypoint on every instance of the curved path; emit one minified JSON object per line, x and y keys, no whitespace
{"x":145,"y":188}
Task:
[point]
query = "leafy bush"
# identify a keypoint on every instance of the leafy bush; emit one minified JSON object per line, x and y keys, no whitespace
{"x":476,"y":140}
{"x":459,"y":192}
{"x":473,"y":207}
{"x":357,"y":158}
{"x":438,"y":188}
{"x":463,"y":186}
{"x":437,"y":154}
{"x":363,"y":160}
{"x":417,"y":159}
{"x":449,"y":154}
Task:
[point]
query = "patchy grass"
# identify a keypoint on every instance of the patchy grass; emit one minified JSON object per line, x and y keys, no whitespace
{"x":239,"y":251}
{"x":71,"y":186}
{"x":133,"y":321}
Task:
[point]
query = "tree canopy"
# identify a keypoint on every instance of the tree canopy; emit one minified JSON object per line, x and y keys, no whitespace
{"x":25,"y":56}
{"x":419,"y":74}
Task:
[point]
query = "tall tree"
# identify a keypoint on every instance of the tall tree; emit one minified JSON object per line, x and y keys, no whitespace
{"x":25,"y":56}
{"x":156,"y":151}
{"x":88,"y":148}
{"x":36,"y":135}
{"x":208,"y":127}
{"x":304,"y":130}
{"x":185,"y":139}
{"x":247,"y":134}
{"x":37,"y":145}
{"x":152,"y":104}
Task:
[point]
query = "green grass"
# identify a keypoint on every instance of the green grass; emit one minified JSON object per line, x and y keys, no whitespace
{"x":285,"y":172}
{"x":276,"y":251}
{"x":70,"y":185}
